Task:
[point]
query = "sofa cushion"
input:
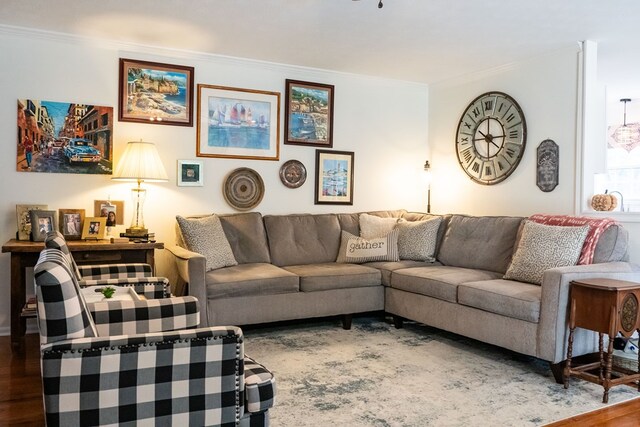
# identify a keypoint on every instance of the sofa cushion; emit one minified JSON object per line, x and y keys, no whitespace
{"x":302,"y":239}
{"x":437,"y":281}
{"x":358,"y":250}
{"x":613,"y":245}
{"x":484,"y":243}
{"x":387,"y":267}
{"x":206,"y":237}
{"x":374,"y":226}
{"x":322,"y":277}
{"x":542,"y":247}
{"x":505,"y":297}
{"x":250,"y":279}
{"x":417,"y":240}
{"x":247,"y":237}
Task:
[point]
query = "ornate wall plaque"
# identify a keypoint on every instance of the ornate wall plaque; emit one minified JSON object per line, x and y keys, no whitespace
{"x":547,"y":166}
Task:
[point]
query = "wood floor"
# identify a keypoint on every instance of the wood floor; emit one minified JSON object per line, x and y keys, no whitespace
{"x":21,"y":394}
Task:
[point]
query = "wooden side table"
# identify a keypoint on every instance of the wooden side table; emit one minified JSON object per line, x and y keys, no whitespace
{"x":25,"y":254}
{"x":606,"y":306}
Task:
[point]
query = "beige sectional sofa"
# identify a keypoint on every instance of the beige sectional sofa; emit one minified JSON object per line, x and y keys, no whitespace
{"x":286,"y":269}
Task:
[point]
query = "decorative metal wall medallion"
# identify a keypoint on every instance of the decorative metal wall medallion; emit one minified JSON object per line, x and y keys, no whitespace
{"x":293,"y":174}
{"x":548,"y":164}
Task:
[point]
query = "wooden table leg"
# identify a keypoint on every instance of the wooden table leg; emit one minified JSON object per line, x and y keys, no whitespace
{"x":572,"y":327}
{"x":601,"y":350}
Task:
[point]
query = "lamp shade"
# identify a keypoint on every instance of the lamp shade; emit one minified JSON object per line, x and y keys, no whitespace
{"x":140,"y":162}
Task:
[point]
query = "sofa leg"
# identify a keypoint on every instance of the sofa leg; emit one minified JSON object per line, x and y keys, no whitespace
{"x":346,"y":321}
{"x":397,"y":321}
{"x":557,"y":369}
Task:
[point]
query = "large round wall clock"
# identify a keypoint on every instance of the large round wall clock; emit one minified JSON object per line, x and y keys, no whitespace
{"x":491,"y":137}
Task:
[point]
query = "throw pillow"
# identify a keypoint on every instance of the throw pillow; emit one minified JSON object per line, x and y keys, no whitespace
{"x":206,"y":237}
{"x":372,"y":226}
{"x":417,"y":239}
{"x":356,"y":250}
{"x":542,"y":247}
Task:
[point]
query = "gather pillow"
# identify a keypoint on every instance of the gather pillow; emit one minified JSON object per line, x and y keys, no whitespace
{"x":206,"y":237}
{"x":417,"y":239}
{"x":374,"y":226}
{"x":542,"y":247}
{"x":356,"y":250}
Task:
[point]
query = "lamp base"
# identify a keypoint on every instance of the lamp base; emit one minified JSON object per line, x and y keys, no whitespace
{"x":137,"y":232}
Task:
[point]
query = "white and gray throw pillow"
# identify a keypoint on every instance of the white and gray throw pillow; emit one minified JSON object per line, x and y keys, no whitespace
{"x":206,"y":237}
{"x":372,"y":226}
{"x":356,"y":250}
{"x":542,"y":247}
{"x":417,"y":239}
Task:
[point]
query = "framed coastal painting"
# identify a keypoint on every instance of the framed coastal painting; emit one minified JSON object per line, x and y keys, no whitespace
{"x":334,"y":177}
{"x":152,"y":92}
{"x":238,"y":123}
{"x":70,"y":223}
{"x":42,"y":222}
{"x":190,"y":173}
{"x":308,"y":117}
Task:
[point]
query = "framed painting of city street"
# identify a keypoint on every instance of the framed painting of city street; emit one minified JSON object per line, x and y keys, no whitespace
{"x":308,"y":117}
{"x":70,"y":222}
{"x":151,"y":92}
{"x":64,"y":137}
{"x":238,"y":123}
{"x":334,"y":177}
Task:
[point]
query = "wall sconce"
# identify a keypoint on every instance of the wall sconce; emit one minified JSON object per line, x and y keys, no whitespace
{"x":427,"y":179}
{"x":139,"y":162}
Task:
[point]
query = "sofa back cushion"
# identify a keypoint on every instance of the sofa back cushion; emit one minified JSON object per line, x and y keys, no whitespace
{"x":302,"y":238}
{"x":247,"y":237}
{"x":484,"y":243}
{"x":350,"y":222}
{"x":613,"y":245}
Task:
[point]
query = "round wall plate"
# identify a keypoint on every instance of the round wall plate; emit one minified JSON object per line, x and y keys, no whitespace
{"x":243,"y":189}
{"x":293,"y":174}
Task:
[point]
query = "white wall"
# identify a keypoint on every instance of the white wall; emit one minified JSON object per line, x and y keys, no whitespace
{"x":383,"y":121}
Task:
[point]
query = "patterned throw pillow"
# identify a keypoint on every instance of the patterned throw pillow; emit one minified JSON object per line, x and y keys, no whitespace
{"x":543,"y":247}
{"x":206,"y":237}
{"x":417,"y":239}
{"x":356,"y":250}
{"x":374,"y":226}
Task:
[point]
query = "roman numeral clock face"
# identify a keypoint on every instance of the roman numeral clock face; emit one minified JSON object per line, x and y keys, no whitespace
{"x":491,"y":137}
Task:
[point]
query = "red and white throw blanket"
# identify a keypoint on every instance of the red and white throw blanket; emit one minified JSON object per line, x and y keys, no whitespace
{"x":596,"y":227}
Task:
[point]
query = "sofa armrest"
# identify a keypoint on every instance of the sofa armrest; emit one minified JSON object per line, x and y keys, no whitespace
{"x":146,"y":316}
{"x":191,"y":268}
{"x":553,"y":330}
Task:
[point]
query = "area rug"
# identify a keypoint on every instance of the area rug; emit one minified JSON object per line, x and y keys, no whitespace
{"x":376,"y":375}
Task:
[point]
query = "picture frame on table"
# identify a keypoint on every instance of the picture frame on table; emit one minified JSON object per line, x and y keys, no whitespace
{"x":334,"y":177}
{"x":237,"y":123}
{"x":190,"y":173}
{"x":42,"y":222}
{"x":23,"y":219}
{"x":113,"y":210}
{"x":308,"y":116}
{"x":153,"y":92}
{"x":70,"y":222}
{"x":94,"y":228}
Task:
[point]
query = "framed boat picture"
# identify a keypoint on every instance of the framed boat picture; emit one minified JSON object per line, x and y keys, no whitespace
{"x":308,"y":117}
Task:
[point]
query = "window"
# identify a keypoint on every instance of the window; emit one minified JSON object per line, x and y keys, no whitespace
{"x":105,"y":120}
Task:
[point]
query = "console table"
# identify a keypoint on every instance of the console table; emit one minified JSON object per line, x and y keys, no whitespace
{"x":605,"y":306}
{"x":25,"y":254}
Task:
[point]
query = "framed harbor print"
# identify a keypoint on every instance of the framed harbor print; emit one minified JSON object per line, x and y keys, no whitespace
{"x":237,"y":123}
{"x":152,"y":92}
{"x":190,"y":173}
{"x":70,"y":223}
{"x":308,"y":117}
{"x":42,"y":222}
{"x":94,"y":228}
{"x":23,"y":218}
{"x":334,"y":177}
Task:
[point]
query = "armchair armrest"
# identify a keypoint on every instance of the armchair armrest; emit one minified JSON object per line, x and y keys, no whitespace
{"x":260,"y":386}
{"x":554,"y":309}
{"x":191,"y":268}
{"x":146,"y":316}
{"x":150,"y":287}
{"x":115,"y":271}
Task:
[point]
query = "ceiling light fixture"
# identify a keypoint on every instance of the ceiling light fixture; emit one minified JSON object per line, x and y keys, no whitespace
{"x":380,"y":5}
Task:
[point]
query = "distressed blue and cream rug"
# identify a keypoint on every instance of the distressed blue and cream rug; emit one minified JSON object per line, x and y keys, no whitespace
{"x":376,"y":375}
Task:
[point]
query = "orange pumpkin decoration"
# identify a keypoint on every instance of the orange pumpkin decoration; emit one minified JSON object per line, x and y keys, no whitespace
{"x":604,"y":202}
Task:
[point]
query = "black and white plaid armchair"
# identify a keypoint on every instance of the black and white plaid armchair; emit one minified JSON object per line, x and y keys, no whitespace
{"x":197,"y":377}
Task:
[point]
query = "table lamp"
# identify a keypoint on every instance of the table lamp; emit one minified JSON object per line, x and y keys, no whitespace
{"x":139,"y":162}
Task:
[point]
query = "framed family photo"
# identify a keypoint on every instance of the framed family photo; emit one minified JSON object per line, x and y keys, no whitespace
{"x":308,"y":117}
{"x":113,"y":210}
{"x":238,"y":123}
{"x":190,"y":173}
{"x":152,"y":92}
{"x":70,"y":223}
{"x":23,"y":218}
{"x":334,"y":177}
{"x":94,"y":228}
{"x":42,"y":222}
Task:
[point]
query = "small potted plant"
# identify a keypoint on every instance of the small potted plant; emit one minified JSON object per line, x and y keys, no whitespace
{"x":108,"y":291}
